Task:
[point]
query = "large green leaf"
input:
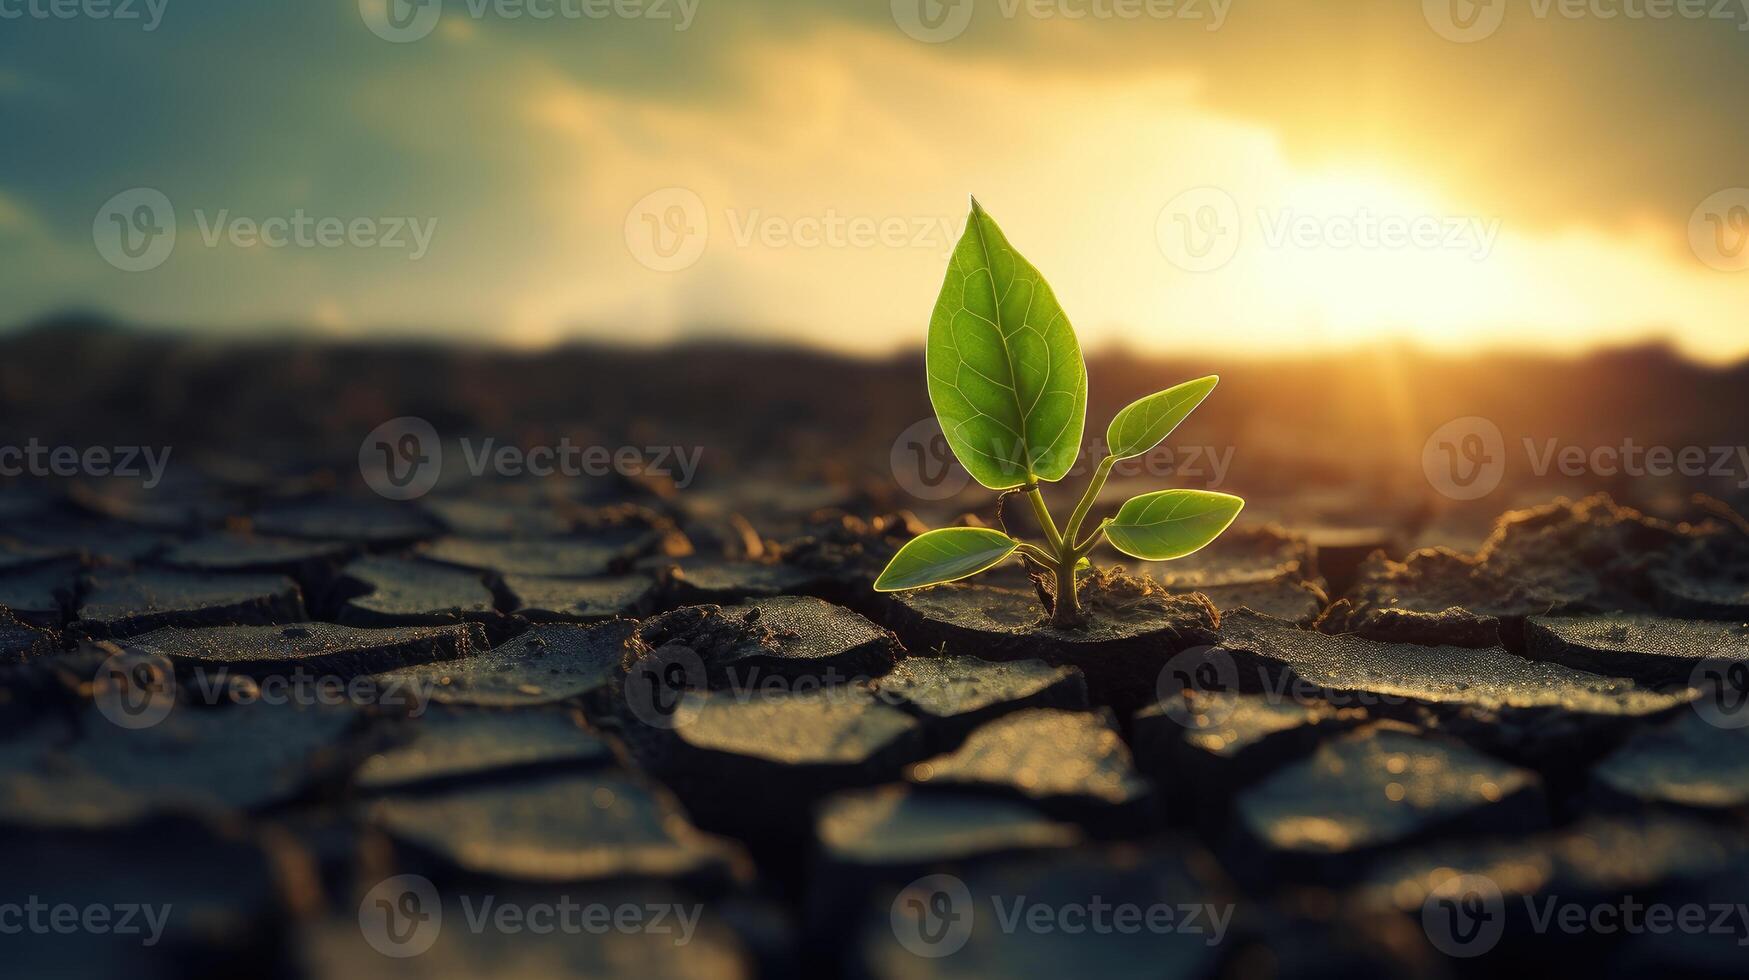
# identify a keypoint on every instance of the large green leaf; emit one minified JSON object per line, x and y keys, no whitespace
{"x":1005,"y":371}
{"x":934,"y":557}
{"x":1146,"y":423}
{"x":1170,"y":524}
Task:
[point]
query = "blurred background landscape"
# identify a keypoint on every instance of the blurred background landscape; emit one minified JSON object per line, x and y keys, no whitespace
{"x":1333,"y":444}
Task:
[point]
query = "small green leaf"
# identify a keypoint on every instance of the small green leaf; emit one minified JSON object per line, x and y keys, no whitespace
{"x":934,"y":557}
{"x":1146,"y":423}
{"x":1005,"y":371}
{"x":1170,"y":524}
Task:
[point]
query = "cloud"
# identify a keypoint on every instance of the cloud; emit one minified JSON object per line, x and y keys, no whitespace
{"x":830,"y":155}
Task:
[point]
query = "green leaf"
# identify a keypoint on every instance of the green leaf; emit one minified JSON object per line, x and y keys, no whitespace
{"x":1005,"y":371}
{"x":951,"y":553}
{"x":1170,"y":524}
{"x":1146,"y":423}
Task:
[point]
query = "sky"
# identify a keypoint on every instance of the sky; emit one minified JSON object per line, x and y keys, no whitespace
{"x":1255,"y":176}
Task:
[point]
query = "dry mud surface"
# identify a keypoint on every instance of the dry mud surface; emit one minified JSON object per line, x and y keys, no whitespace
{"x":526,"y":697}
{"x":258,"y":693}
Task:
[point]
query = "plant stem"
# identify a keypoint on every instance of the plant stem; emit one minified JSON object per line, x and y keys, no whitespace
{"x":1044,"y":520}
{"x":1092,"y":540}
{"x":1037,"y":554}
{"x":1066,"y":613}
{"x":1093,"y":487}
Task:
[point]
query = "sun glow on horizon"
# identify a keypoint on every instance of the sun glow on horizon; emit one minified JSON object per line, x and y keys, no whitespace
{"x":825,"y":188}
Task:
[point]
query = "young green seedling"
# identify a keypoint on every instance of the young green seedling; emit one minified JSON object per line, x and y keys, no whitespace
{"x":1009,"y":387}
